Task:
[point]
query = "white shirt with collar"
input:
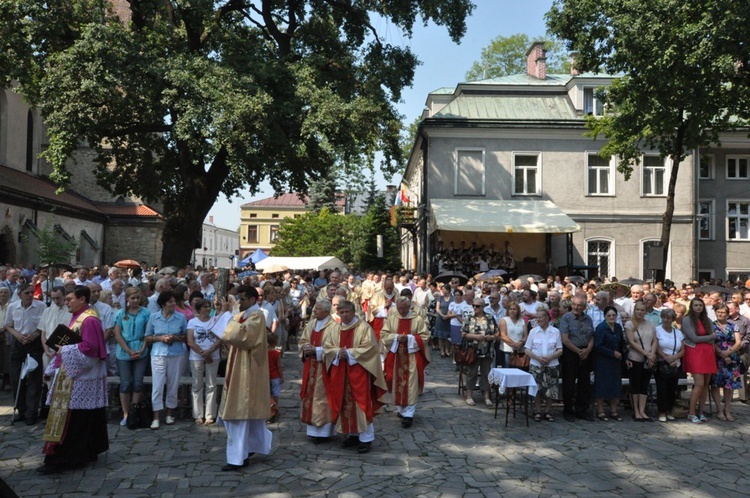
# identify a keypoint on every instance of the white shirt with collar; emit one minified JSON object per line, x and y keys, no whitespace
{"x":52,"y":317}
{"x":24,"y":320}
{"x":105,"y":314}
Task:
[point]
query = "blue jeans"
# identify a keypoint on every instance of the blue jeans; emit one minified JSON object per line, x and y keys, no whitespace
{"x":131,"y":375}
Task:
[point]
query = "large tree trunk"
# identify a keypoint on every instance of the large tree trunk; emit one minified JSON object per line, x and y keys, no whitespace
{"x":676,"y":156}
{"x":184,"y":217}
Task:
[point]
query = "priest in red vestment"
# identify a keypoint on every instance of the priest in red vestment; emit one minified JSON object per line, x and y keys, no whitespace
{"x":357,"y":387}
{"x":405,"y":337}
{"x":316,"y":413}
{"x":380,"y":303}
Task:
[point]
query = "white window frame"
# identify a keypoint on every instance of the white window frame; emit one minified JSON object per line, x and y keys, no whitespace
{"x":738,"y":216}
{"x":594,"y":101}
{"x":538,"y":167}
{"x":667,"y":270}
{"x":612,"y":170}
{"x":273,"y":233}
{"x":711,"y":219}
{"x":667,"y":173}
{"x":456,"y":156}
{"x":736,"y":157}
{"x":711,"y":166}
{"x":611,"y":253}
{"x":736,"y":270}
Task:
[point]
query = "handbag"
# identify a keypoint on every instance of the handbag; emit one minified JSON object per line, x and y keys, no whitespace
{"x":665,"y":369}
{"x":140,"y":415}
{"x":519,"y":360}
{"x":466,"y":354}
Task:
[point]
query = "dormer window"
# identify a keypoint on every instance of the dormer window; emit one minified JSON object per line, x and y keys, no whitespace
{"x":593,"y":101}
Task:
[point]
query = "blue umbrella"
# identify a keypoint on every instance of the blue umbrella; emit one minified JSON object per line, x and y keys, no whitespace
{"x":248,"y":273}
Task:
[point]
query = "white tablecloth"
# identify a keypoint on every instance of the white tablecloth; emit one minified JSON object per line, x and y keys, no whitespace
{"x":512,"y":377}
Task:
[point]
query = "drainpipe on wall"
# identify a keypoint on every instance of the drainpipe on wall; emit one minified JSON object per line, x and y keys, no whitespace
{"x":694,"y":217}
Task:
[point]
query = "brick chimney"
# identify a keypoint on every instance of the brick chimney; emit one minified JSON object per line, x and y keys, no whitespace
{"x":390,"y":188}
{"x":573,"y":70}
{"x":122,"y":9}
{"x":536,"y":61}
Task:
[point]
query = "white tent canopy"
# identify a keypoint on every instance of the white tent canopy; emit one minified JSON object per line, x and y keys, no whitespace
{"x":463,"y":215}
{"x":304,"y":263}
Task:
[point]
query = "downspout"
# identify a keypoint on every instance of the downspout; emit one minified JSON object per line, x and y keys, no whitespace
{"x":694,"y":217}
{"x":425,"y":263}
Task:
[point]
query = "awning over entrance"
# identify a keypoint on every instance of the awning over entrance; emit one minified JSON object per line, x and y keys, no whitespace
{"x":517,"y":216}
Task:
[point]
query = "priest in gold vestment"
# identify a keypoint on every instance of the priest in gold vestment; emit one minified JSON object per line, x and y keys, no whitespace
{"x":246,"y":400}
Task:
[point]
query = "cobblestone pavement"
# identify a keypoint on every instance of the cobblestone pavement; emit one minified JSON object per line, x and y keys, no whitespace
{"x":451,"y":450}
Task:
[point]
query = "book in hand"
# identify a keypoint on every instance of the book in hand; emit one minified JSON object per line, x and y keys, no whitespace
{"x":62,"y":336}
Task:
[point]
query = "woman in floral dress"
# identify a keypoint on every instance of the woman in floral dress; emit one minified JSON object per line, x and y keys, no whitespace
{"x":727,"y":345}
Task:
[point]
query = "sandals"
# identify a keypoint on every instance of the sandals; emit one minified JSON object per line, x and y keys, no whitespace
{"x":538,"y":417}
{"x":548,"y":417}
{"x":602,"y":416}
{"x":616,"y":416}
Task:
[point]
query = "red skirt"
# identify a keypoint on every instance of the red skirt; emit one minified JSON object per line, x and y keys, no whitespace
{"x":701,"y":359}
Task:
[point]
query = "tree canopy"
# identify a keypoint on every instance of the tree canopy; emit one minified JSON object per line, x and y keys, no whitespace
{"x":682,"y":74}
{"x":183,"y":100}
{"x":506,"y":55}
{"x":351,"y":238}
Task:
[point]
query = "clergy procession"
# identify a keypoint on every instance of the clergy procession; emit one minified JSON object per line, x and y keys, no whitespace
{"x":364,"y":342}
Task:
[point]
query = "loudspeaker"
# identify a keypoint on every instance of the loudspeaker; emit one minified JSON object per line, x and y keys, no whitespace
{"x":656,"y":258}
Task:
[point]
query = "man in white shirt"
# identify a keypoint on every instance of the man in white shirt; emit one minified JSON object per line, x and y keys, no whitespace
{"x":57,"y":313}
{"x":4,"y":339}
{"x":422,"y":294}
{"x":272,"y":321}
{"x":161,"y":285}
{"x":118,"y":294}
{"x":22,"y":322}
{"x":82,"y":277}
{"x":13,"y":283}
{"x":112,"y":275}
{"x":107,"y":316}
{"x":528,"y":304}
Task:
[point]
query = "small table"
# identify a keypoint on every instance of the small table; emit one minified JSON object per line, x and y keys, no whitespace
{"x":512,"y":378}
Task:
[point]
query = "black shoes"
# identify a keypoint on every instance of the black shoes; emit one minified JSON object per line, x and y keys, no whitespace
{"x":229,"y":467}
{"x":48,"y":469}
{"x":19,"y":418}
{"x":569,"y":417}
{"x":363,"y":448}
{"x":587,"y":417}
{"x":31,"y":421}
{"x":350,"y":442}
{"x":319,"y":440}
{"x":406,"y":422}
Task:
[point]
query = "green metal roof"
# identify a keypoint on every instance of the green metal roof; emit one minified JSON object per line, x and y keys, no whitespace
{"x":518,"y":107}
{"x":525,"y":79}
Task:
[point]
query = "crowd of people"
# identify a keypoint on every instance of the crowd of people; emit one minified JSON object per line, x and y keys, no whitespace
{"x":365,"y":340}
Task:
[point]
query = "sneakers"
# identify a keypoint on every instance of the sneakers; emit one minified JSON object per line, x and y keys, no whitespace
{"x":124,"y":421}
{"x":693,"y":419}
{"x":662,"y":419}
{"x":488,"y":402}
{"x":670,"y":418}
{"x":703,"y":418}
{"x":199,"y":421}
{"x":470,"y":402}
{"x":209,"y":421}
{"x":155,"y":424}
{"x":169,"y":420}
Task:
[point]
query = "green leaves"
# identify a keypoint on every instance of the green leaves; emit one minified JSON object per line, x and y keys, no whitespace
{"x":190,"y":99}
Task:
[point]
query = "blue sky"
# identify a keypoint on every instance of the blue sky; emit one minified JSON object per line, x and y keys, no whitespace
{"x":444,"y":63}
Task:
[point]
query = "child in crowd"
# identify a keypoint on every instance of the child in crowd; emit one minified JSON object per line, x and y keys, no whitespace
{"x":276,"y":374}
